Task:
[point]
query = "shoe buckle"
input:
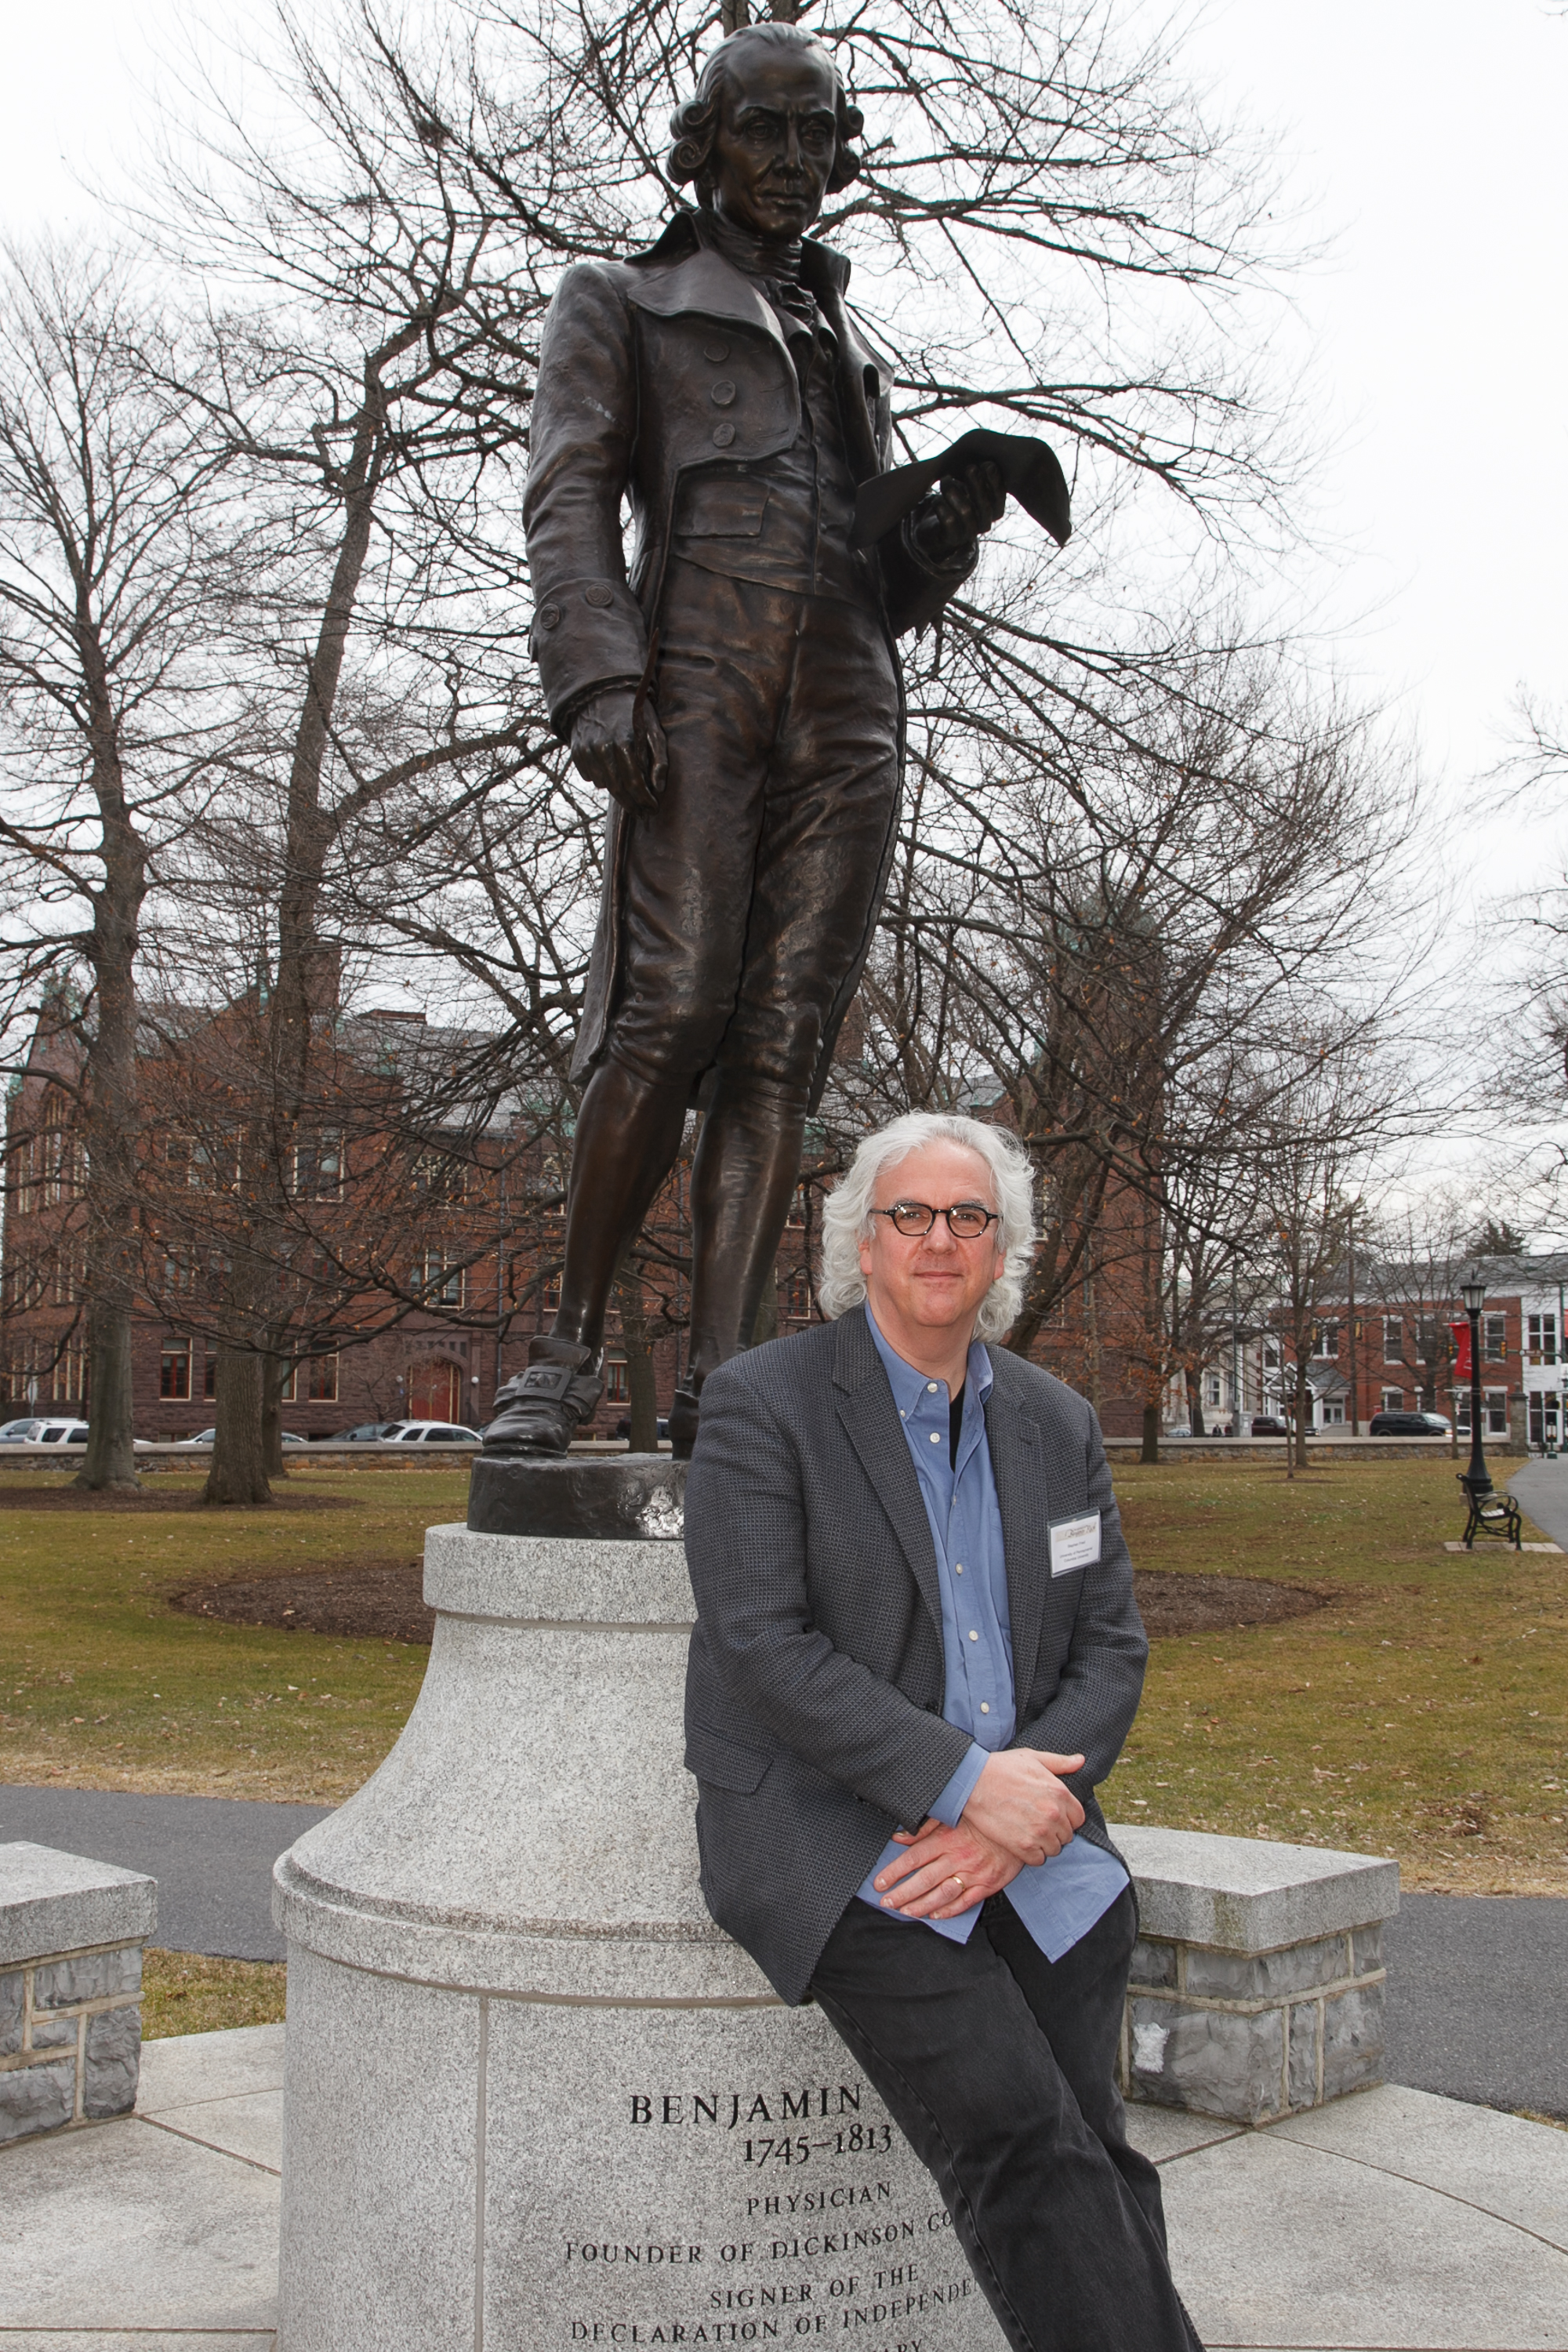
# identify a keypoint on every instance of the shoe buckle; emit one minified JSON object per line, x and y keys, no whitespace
{"x":547,"y":1381}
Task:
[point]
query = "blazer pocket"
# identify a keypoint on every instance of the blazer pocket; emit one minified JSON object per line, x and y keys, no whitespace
{"x":724,"y":1762}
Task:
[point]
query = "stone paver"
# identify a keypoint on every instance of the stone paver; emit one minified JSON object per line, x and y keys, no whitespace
{"x":1393,"y":2220}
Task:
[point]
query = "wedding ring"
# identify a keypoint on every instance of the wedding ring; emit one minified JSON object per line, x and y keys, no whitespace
{"x":958,"y":1882}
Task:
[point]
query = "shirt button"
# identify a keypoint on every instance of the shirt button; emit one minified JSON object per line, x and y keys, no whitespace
{"x":985,"y":1708}
{"x":936,"y":1437}
{"x":930,"y":1387}
{"x":975,"y":1637}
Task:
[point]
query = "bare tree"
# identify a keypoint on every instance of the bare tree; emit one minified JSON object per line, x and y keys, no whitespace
{"x":114,"y":714}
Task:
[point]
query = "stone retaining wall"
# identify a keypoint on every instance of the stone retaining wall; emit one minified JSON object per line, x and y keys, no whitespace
{"x":71,"y":1935}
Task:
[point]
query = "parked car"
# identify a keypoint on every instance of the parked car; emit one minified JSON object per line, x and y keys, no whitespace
{"x":365,"y":1433}
{"x":623,"y":1426}
{"x":1409,"y":1424}
{"x":1264,"y":1424}
{"x":429,"y":1433}
{"x":44,"y":1433}
{"x":209,"y":1438}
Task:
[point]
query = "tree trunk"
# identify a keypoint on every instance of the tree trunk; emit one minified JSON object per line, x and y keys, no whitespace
{"x":110,"y":1464}
{"x":239,"y":1473}
{"x":766,"y":1325}
{"x":1151,"y":1452}
{"x":1196,"y":1405}
{"x":644,"y":1395}
{"x":275,"y":1371}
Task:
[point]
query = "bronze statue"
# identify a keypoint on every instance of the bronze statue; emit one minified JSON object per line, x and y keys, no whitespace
{"x":738,"y":697}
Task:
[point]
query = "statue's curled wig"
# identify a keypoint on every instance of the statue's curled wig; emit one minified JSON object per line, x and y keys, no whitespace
{"x":693,"y":125}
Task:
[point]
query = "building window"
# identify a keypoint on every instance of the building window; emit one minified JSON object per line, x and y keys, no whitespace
{"x":617,"y":1381}
{"x":175,"y":1369}
{"x":1497,"y":1412}
{"x":797,"y":1207}
{"x":322,"y":1380}
{"x":1211,"y":1389}
{"x":1495,"y":1346}
{"x":1271,"y":1355}
{"x":549,"y":1292}
{"x":1543,"y":1339}
{"x":797,"y":1299}
{"x":439,"y":1283}
{"x":1392,"y":1401}
{"x":1543,"y":1417}
{"x":439,"y":1177}
{"x":1333,"y":1414}
{"x":1394,"y":1338}
{"x":319,"y":1167}
{"x":209,"y":1378}
{"x":71,"y":1375}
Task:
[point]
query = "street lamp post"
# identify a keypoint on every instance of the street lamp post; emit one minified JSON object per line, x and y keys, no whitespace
{"x":1475,"y":1477}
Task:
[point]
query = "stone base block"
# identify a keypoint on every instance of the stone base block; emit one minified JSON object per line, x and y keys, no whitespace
{"x":70,"y":2020}
{"x":1238,"y":2016}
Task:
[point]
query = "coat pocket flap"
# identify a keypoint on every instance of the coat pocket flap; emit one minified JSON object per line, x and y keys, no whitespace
{"x":723,"y":1761}
{"x":717,"y":507}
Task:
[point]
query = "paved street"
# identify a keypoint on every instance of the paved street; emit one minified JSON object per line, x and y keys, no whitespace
{"x":1541,"y":1488}
{"x":212,"y":1856}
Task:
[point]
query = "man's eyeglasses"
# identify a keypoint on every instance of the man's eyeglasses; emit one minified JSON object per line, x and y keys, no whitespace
{"x":965,"y":1222}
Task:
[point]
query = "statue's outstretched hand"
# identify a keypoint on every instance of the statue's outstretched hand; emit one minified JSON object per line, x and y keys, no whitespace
{"x":948,"y":521}
{"x":621,"y":749}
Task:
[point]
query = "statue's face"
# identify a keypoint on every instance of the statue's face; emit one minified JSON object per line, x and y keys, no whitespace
{"x":774,"y":145}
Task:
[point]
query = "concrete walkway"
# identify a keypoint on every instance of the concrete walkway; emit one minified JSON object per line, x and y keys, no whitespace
{"x":1392,"y":2221}
{"x":1541,"y":1489}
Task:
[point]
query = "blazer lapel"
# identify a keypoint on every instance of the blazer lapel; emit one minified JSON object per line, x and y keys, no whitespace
{"x":1018,"y":1468}
{"x":870,"y":1419}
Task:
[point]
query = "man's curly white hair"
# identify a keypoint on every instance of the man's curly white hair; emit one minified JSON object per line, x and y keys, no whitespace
{"x":846,"y":1218}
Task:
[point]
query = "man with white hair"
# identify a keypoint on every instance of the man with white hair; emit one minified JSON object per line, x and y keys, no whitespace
{"x":916,"y":1654}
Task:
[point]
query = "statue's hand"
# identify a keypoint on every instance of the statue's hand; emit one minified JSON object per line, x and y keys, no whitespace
{"x":621,"y":750}
{"x":947,"y":523}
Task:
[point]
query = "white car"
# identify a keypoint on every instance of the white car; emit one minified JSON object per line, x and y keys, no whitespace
{"x":209,"y":1438}
{"x":44,"y":1433}
{"x":429,"y":1433}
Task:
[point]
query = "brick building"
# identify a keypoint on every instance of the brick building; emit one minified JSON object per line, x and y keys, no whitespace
{"x":443,"y":1259}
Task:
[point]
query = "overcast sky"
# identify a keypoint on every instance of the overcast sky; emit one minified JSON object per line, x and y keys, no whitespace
{"x":1421,"y":142}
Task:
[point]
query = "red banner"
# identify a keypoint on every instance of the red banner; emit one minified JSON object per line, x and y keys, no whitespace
{"x":1461,"y":1332}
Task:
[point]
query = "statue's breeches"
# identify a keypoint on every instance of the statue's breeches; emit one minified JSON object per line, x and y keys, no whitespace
{"x":749,"y":897}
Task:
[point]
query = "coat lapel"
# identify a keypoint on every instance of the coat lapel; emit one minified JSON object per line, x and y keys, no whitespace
{"x":1018,"y":1468}
{"x":870,"y":1419}
{"x":709,"y":285}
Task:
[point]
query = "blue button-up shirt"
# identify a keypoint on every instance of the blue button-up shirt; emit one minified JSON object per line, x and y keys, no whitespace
{"x":1057,"y":1900}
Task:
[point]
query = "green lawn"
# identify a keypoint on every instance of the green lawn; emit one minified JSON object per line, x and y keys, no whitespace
{"x":107,"y":1687}
{"x":1423,"y":1713}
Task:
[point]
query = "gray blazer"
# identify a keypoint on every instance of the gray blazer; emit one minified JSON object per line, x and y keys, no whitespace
{"x":814,"y":1684}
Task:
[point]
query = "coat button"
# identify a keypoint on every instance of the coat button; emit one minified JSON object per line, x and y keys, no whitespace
{"x":598,"y":595}
{"x":723,"y":395}
{"x":722,"y":435}
{"x":715,"y":352}
{"x":549,"y":617}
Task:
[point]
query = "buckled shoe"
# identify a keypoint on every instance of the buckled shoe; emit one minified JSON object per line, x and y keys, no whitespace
{"x":541,"y":1409}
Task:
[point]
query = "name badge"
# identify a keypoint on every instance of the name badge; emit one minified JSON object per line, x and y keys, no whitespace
{"x":1075,"y":1543}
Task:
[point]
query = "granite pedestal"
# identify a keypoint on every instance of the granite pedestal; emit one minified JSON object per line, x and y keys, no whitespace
{"x":533,"y":2097}
{"x":71,"y":1935}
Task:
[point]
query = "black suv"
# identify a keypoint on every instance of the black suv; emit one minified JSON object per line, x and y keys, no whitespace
{"x":1409,"y":1424}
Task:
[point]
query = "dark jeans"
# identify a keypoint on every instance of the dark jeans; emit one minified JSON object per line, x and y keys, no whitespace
{"x":999,"y":2068}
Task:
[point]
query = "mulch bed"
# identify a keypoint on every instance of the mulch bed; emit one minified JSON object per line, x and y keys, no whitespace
{"x":382,"y":1600}
{"x":73,"y":1498}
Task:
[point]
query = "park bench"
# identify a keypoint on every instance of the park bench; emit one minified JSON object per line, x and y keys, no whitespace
{"x":1491,"y":1514}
